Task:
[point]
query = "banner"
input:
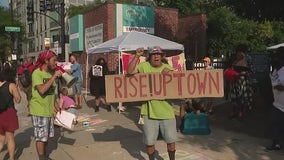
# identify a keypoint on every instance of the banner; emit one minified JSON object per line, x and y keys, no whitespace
{"x":174,"y":85}
{"x":177,"y":61}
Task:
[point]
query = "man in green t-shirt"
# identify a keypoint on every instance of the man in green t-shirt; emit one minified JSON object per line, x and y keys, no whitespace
{"x":157,"y":114}
{"x":43,"y":104}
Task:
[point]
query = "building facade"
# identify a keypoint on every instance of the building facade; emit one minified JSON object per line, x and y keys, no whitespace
{"x":44,"y":30}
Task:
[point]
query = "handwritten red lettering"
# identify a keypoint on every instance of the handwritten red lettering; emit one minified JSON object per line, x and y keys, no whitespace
{"x":142,"y":85}
{"x":179,"y":77}
{"x":157,"y":84}
{"x":216,"y":82}
{"x":132,"y":84}
{"x":148,"y":86}
{"x":167,"y":78}
{"x":117,"y":87}
{"x":191,"y":80}
{"x":201,"y":83}
{"x":175,"y":62}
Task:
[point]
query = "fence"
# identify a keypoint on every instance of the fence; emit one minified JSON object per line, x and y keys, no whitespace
{"x":217,"y":64}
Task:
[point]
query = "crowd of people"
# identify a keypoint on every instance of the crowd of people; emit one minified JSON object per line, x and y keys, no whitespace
{"x":157,"y":115}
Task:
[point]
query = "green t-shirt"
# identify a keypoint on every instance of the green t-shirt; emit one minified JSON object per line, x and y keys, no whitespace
{"x":42,"y":105}
{"x":158,"y":109}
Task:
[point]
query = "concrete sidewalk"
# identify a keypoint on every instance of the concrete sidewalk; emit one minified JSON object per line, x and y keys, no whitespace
{"x":113,"y":136}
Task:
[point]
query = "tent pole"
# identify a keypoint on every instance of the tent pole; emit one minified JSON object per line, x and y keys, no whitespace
{"x":120,"y":107}
{"x":86,"y":75}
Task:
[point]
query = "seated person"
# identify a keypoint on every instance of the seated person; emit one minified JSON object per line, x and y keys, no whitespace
{"x":67,"y":103}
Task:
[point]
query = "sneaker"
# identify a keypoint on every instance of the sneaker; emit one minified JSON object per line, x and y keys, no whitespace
{"x":274,"y":147}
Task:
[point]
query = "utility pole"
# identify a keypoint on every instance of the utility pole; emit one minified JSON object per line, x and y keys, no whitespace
{"x":49,"y":5}
{"x":62,"y":22}
{"x":12,"y":35}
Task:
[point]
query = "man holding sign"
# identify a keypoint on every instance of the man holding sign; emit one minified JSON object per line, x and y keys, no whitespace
{"x":157,"y":114}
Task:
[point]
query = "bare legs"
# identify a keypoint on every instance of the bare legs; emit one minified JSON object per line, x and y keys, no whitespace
{"x":2,"y":141}
{"x":10,"y":143}
{"x":98,"y":101}
{"x":41,"y":149}
{"x":78,"y":99}
{"x":171,"y":147}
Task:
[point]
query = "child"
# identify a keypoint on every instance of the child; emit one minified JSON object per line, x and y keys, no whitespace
{"x":67,"y":103}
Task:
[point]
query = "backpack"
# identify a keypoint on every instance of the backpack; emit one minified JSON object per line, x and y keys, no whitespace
{"x":26,"y":77}
{"x":4,"y":90}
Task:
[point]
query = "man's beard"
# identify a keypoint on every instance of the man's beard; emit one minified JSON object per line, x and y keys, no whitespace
{"x":50,"y":68}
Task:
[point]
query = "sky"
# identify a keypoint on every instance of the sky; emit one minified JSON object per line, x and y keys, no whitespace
{"x":4,"y":3}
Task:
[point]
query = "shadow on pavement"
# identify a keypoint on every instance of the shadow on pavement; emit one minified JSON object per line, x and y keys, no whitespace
{"x":254,"y":124}
{"x":59,"y":138}
{"x":23,"y":138}
{"x":124,"y":136}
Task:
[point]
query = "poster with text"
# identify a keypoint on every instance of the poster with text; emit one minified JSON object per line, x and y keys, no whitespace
{"x":173,"y":85}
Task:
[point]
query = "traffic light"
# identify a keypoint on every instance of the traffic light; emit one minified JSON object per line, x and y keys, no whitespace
{"x":48,"y":5}
{"x":42,"y":5}
{"x":30,"y":12}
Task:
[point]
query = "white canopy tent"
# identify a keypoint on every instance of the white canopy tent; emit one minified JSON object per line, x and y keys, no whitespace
{"x":130,"y":41}
{"x":275,"y":46}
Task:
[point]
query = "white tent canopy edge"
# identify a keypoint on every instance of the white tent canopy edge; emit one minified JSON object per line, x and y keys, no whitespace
{"x":132,"y":40}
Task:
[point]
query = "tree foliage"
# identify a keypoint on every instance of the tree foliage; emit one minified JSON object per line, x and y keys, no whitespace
{"x":230,"y":22}
{"x":75,"y":10}
{"x":259,"y":10}
{"x":230,"y":30}
{"x":5,"y":37}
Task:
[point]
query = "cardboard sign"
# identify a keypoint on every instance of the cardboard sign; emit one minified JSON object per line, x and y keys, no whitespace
{"x":65,"y":119}
{"x":174,"y":85}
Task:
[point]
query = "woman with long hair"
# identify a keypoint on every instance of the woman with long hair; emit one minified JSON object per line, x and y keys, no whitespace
{"x":97,"y":82}
{"x":241,"y":90}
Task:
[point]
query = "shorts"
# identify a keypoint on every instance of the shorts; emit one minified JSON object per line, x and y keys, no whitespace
{"x":43,"y":128}
{"x":8,"y":121}
{"x":77,"y":88}
{"x":151,"y":129}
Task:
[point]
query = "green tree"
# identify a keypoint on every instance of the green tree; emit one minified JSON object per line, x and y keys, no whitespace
{"x":227,"y":32}
{"x":75,"y":10}
{"x":230,"y":22}
{"x":4,"y":36}
{"x":185,"y":7}
{"x":6,"y":47}
{"x":277,"y":33}
{"x":259,"y":10}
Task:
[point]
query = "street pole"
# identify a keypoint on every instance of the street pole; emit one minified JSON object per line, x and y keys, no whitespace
{"x":12,"y":24}
{"x":62,"y":19}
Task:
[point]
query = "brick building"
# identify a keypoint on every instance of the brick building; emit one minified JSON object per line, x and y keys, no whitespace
{"x":189,"y":31}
